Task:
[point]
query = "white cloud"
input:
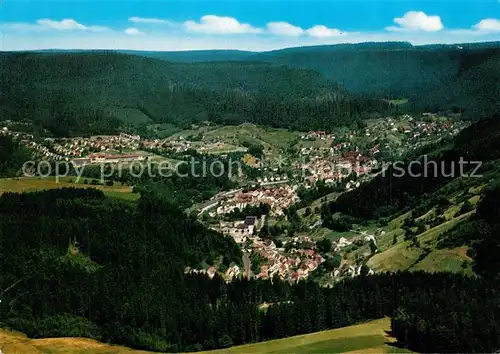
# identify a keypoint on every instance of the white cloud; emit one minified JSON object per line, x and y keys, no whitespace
{"x":321,"y":31}
{"x":133,"y":31}
{"x":45,"y":24}
{"x":212,"y":24}
{"x":67,"y":25}
{"x":63,"y":25}
{"x":150,"y":20}
{"x":488,"y":25}
{"x":417,"y":21}
{"x":284,"y":29}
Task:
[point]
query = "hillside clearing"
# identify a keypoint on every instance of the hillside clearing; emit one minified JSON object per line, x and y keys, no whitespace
{"x":235,"y":136}
{"x":131,"y":116}
{"x":449,"y":260}
{"x":32,"y":184}
{"x":368,"y":337}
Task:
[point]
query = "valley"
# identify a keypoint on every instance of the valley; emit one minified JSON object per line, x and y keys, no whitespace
{"x":282,"y":181}
{"x":317,"y":199}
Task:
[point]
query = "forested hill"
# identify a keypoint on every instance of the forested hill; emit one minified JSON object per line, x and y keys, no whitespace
{"x":339,"y":62}
{"x":432,"y":77}
{"x":86,"y":93}
{"x":463,"y":77}
{"x":305,"y":88}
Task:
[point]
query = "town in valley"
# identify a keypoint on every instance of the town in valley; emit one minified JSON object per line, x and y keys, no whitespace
{"x":277,"y":231}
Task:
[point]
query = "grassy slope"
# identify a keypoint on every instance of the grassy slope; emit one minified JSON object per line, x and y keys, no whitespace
{"x":28,"y":184}
{"x":427,"y":257}
{"x":402,"y":256}
{"x":13,"y":342}
{"x":368,"y":337}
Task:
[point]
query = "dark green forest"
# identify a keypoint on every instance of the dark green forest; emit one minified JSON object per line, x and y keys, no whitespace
{"x":75,"y":263}
{"x":84,"y":93}
{"x":12,"y":156}
{"x":463,"y":77}
{"x":301,"y":88}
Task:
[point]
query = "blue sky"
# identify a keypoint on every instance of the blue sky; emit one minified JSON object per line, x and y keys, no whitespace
{"x":248,"y":25}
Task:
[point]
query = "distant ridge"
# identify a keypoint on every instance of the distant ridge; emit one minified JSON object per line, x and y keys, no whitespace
{"x":187,"y":56}
{"x":194,"y":56}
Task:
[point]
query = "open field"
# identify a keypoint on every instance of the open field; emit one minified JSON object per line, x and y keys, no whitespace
{"x":368,"y":337}
{"x":399,"y":257}
{"x":131,"y":116}
{"x":273,"y":140}
{"x":31,"y":184}
{"x":225,"y":149}
{"x":163,"y":130}
{"x":268,"y":136}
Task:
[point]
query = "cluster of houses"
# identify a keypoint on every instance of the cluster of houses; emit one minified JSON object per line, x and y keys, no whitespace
{"x":81,"y":151}
{"x":411,"y":128}
{"x":41,"y":149}
{"x":272,"y":180}
{"x":231,"y":273}
{"x":350,"y":271}
{"x":92,"y":150}
{"x":178,"y":145}
{"x":334,"y":169}
{"x":294,"y":266}
{"x":28,"y":141}
{"x":210,"y":272}
{"x":313,"y":135}
{"x":416,"y":129}
{"x":79,"y":147}
{"x":240,"y":231}
{"x":278,"y":198}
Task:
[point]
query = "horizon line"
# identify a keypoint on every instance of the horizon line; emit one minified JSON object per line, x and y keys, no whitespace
{"x":248,"y":51}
